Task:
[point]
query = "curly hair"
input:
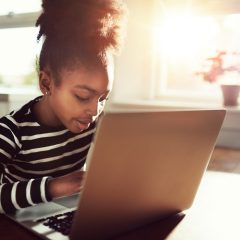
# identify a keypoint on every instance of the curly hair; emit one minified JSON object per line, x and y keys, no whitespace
{"x":79,"y":31}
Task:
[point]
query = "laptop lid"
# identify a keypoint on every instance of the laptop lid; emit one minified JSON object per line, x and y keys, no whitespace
{"x":144,"y":166}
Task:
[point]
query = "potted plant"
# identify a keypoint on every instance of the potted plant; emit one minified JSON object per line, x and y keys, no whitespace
{"x":224,"y":68}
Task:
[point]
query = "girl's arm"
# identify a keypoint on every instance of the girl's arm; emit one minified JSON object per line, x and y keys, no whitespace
{"x":23,"y":194}
{"x":20,"y":194}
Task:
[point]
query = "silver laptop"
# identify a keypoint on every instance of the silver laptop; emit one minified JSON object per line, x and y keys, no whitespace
{"x":143,"y":167}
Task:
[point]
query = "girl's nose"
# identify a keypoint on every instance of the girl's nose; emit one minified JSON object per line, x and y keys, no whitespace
{"x":93,"y":109}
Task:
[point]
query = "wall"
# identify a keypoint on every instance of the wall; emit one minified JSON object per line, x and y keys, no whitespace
{"x":133,"y":67}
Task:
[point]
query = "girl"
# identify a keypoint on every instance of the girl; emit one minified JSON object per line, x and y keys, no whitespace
{"x":44,"y":144}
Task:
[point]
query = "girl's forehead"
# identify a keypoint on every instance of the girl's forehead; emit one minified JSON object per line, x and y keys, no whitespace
{"x":96,"y":67}
{"x":98,"y":80}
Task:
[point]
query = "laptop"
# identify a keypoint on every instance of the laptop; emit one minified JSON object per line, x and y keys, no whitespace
{"x":144,"y":166}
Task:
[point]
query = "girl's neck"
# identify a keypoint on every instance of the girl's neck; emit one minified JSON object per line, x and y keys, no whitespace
{"x":44,"y":114}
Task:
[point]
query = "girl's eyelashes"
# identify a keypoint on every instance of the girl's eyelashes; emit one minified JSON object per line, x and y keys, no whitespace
{"x":87,"y":99}
{"x":82,"y":99}
{"x":103,"y":99}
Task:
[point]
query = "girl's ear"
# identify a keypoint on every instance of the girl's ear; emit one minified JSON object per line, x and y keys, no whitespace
{"x":45,"y":82}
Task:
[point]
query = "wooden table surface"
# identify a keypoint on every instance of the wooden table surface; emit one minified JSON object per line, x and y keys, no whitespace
{"x":215,"y":215}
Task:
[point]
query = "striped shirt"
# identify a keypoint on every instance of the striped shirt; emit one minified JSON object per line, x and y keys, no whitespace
{"x":30,"y":153}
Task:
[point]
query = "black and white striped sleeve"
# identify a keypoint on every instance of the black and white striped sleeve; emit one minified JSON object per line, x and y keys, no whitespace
{"x":20,"y":194}
{"x":23,"y":194}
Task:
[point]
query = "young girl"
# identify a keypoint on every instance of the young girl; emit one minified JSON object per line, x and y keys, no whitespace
{"x":43,"y":146}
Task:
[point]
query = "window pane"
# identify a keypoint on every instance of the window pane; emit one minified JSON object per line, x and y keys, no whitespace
{"x":185,"y":42}
{"x":19,"y":6}
{"x":19,"y":49}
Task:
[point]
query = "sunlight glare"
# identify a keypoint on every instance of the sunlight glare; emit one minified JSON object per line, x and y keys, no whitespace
{"x":17,"y":6}
{"x":183,"y":35}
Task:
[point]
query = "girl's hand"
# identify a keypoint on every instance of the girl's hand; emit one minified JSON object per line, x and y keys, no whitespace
{"x":66,"y":185}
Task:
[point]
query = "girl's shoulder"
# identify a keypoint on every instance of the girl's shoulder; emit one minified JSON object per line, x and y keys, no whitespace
{"x":20,"y":116}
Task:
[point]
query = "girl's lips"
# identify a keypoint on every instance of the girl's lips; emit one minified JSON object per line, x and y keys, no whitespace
{"x":85,"y":121}
{"x":83,"y":124}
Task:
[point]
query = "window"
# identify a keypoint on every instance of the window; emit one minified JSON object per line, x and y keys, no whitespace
{"x":167,"y":42}
{"x":18,"y":57}
{"x":16,"y":6}
{"x":18,"y":45}
{"x":183,"y":39}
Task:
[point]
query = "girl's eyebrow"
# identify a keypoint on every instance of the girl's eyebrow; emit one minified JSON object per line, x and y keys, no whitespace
{"x":93,"y":91}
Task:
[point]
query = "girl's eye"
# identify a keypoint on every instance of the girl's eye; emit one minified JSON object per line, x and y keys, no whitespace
{"x":103,"y":99}
{"x":82,"y":99}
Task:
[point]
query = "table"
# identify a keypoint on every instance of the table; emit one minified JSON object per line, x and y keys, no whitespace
{"x":215,"y":214}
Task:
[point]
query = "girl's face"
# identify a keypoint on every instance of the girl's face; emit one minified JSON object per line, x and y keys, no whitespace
{"x":79,"y":98}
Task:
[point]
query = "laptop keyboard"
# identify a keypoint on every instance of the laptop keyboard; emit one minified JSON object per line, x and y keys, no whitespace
{"x":60,"y":223}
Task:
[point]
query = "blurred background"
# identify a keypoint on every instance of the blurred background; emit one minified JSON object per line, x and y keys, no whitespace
{"x":169,"y":46}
